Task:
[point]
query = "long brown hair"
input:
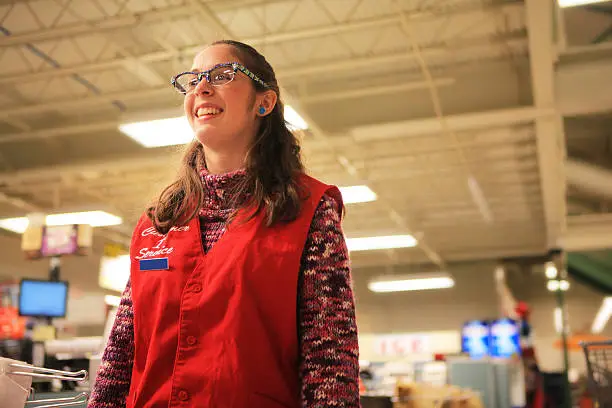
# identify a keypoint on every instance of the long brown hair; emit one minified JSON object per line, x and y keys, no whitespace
{"x":272,"y":163}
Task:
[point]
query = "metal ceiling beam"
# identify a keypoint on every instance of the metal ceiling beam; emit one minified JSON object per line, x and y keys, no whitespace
{"x":490,"y":253}
{"x":450,"y":171}
{"x":584,"y":88}
{"x":373,"y":90}
{"x":512,"y":40}
{"x":76,"y":103}
{"x":485,"y":141}
{"x":156,"y":92}
{"x":283,"y":73}
{"x":402,"y":129}
{"x":300,"y":34}
{"x":204,"y":11}
{"x":140,"y":69}
{"x":455,"y":123}
{"x":589,"y":178}
{"x":78,"y":170}
{"x":60,"y":131}
{"x":549,"y":131}
{"x":154,"y":16}
{"x":500,"y":155}
{"x":98,"y":26}
{"x":152,"y":158}
{"x":588,"y":233}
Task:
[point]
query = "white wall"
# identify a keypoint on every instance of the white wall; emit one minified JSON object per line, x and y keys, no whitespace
{"x":473,"y":297}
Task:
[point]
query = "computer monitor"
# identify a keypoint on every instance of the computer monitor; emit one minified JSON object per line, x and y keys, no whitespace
{"x":475,"y":339}
{"x":39,"y":298}
{"x":505,"y":338}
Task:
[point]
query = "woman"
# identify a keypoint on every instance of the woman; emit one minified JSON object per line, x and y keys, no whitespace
{"x":240,"y":289}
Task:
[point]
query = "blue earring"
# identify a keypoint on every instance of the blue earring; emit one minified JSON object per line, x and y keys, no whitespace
{"x":262,"y":110}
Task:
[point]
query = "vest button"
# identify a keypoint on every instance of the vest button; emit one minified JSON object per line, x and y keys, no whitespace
{"x":191,"y":340}
{"x":197,"y":288}
{"x":183,"y":395}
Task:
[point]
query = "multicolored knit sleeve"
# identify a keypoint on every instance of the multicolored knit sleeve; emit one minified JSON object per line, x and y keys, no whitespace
{"x":114,"y":375}
{"x":329,"y":366}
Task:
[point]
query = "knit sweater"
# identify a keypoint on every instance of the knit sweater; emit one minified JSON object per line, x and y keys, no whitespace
{"x":327,"y":332}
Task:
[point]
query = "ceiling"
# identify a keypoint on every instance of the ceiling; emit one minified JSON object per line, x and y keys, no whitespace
{"x":459,"y":114}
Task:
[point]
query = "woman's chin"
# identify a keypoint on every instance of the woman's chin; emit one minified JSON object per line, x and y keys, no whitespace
{"x":208,"y":136}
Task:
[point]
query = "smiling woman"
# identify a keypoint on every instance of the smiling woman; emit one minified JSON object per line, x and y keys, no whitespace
{"x":236,"y":256}
{"x":238,"y":122}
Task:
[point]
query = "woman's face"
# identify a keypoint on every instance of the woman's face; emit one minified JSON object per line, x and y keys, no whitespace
{"x":222,"y":117}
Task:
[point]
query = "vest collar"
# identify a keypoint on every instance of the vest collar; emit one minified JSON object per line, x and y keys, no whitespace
{"x":220,"y":189}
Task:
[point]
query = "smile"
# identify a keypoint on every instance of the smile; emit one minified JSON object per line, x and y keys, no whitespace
{"x":201,"y":112}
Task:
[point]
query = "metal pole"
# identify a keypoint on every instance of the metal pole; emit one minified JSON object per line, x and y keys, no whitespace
{"x":54,"y":276}
{"x":560,"y":297}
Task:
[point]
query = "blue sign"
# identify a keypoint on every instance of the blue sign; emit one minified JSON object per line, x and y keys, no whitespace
{"x":505,"y":338}
{"x":475,"y":339}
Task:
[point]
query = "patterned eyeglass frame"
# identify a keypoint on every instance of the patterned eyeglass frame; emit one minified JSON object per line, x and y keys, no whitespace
{"x":206,"y":74}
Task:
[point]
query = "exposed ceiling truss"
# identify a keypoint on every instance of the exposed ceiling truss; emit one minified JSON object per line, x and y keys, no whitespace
{"x":452,"y":111}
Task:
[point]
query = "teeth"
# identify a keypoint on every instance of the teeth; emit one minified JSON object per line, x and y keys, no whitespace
{"x":208,"y":111}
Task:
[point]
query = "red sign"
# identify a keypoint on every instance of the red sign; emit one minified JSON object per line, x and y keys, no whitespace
{"x":12,"y":326}
{"x":401,"y":345}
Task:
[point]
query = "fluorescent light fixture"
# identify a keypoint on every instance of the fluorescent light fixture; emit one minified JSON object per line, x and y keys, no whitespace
{"x":295,"y":121}
{"x":412,"y":283}
{"x":357,"y":194}
{"x":112,"y":300}
{"x":177,"y":131}
{"x":160,"y":132}
{"x":17,"y":225}
{"x":382,"y":242}
{"x":93,"y":218}
{"x":551,"y":270}
{"x":603,"y":315}
{"x":574,"y":3}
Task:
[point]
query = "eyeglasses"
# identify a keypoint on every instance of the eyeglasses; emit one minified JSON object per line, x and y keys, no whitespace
{"x":218,"y":75}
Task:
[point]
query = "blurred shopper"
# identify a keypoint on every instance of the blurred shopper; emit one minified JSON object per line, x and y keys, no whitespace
{"x":240,"y":289}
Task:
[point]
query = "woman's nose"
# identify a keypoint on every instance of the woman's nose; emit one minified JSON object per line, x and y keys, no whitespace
{"x":204,"y":88}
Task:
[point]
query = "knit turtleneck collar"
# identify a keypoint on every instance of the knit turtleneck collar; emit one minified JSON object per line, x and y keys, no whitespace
{"x":220,"y":189}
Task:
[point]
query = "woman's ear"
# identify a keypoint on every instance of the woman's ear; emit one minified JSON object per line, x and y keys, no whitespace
{"x":266,"y":101}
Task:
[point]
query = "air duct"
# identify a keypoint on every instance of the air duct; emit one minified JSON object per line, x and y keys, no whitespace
{"x":589,"y":178}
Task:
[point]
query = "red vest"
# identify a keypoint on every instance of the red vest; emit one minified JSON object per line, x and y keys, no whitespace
{"x":219,"y":330}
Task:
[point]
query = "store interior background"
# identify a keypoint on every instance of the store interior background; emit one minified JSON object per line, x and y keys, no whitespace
{"x":482,"y":126}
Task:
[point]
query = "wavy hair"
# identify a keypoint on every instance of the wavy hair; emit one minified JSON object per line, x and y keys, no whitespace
{"x":272,"y":164}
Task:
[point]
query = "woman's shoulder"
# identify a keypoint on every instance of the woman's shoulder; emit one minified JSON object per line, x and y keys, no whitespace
{"x":329,"y":194}
{"x":329,"y":206}
{"x":144,"y":226}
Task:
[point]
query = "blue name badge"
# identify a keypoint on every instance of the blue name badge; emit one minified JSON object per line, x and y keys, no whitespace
{"x":156,"y":264}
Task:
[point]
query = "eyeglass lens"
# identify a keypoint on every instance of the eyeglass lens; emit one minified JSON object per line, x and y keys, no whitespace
{"x":218,"y":76}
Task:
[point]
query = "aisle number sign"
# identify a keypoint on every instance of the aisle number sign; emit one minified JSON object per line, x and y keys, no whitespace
{"x":400,"y":345}
{"x":113,"y":250}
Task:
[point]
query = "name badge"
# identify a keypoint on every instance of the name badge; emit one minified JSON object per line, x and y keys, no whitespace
{"x":155,"y":264}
